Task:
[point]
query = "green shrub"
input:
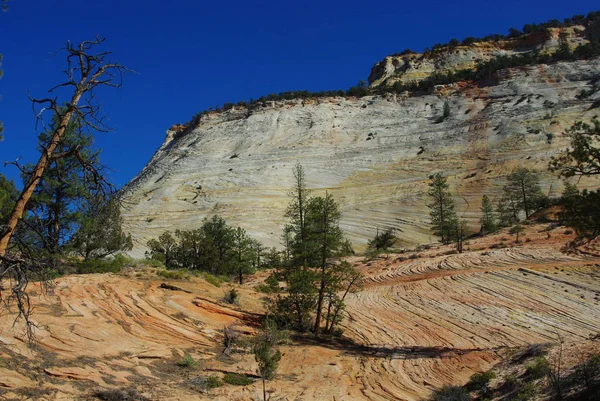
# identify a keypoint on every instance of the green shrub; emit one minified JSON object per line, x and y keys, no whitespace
{"x":524,"y":392}
{"x":538,"y":369}
{"x":273,"y":282}
{"x":237,"y":379}
{"x":123,"y":260}
{"x":265,"y":289}
{"x":216,"y":281}
{"x":270,"y":286}
{"x":213,"y":382}
{"x":588,"y":372}
{"x":451,"y":393}
{"x":205,"y":383}
{"x":98,"y":266}
{"x":173,"y":274}
{"x":480,"y":380}
{"x":151,"y":263}
{"x":383,"y":240}
{"x":187,"y":362}
{"x":232,"y":296}
{"x":511,"y":381}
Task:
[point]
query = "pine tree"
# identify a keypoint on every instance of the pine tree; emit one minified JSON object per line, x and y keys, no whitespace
{"x":296,"y":212}
{"x":344,"y":279}
{"x":507,"y":210}
{"x":441,"y":209}
{"x":523,"y":191}
{"x":243,"y":254}
{"x":582,"y":158}
{"x":516,"y":230}
{"x":100,"y":233}
{"x":458,"y":232}
{"x":163,"y":249}
{"x":220,"y":237}
{"x":8,"y":197}
{"x":52,"y":214}
{"x":265,"y":354}
{"x":488,"y":219}
{"x":325,"y":241}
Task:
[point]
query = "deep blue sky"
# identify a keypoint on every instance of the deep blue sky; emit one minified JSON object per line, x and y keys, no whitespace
{"x":191,"y":55}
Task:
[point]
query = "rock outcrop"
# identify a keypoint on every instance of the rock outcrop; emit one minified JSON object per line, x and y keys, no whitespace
{"x":410,"y":67}
{"x":418,"y":324}
{"x":374,"y":154}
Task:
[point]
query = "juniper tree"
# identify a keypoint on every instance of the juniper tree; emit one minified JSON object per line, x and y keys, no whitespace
{"x":581,"y":212}
{"x":446,"y":109}
{"x":441,"y":209}
{"x":193,"y":249}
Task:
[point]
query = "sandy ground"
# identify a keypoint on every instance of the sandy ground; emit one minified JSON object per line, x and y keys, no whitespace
{"x":420,"y":322}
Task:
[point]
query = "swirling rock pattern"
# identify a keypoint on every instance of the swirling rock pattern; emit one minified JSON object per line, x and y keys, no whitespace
{"x":416,"y":325}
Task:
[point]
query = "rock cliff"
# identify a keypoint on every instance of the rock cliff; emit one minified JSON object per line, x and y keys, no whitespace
{"x":413,"y":67}
{"x":374,"y":154}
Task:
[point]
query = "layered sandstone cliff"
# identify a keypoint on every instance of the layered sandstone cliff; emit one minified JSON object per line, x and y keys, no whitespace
{"x":414,"y":67}
{"x":374,"y":154}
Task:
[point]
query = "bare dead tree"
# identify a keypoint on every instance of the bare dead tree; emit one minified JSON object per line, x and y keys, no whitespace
{"x":86,"y":71}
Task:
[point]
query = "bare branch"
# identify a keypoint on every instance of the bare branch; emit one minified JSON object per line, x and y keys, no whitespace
{"x":85,"y":71}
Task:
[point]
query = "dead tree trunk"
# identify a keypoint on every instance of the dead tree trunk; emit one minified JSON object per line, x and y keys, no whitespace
{"x":85,"y":72}
{"x":36,"y":176}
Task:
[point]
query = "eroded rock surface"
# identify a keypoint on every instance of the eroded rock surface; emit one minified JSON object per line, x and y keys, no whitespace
{"x":418,"y":324}
{"x":374,"y":154}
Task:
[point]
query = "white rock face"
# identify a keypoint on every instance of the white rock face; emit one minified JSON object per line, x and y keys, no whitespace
{"x":374,"y":154}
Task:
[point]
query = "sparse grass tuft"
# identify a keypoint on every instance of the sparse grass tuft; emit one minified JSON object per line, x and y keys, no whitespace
{"x":187,"y":362}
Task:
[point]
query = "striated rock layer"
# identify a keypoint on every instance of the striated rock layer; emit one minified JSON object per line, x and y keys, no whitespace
{"x":374,"y":154}
{"x":410,"y":67}
{"x":418,"y":324}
